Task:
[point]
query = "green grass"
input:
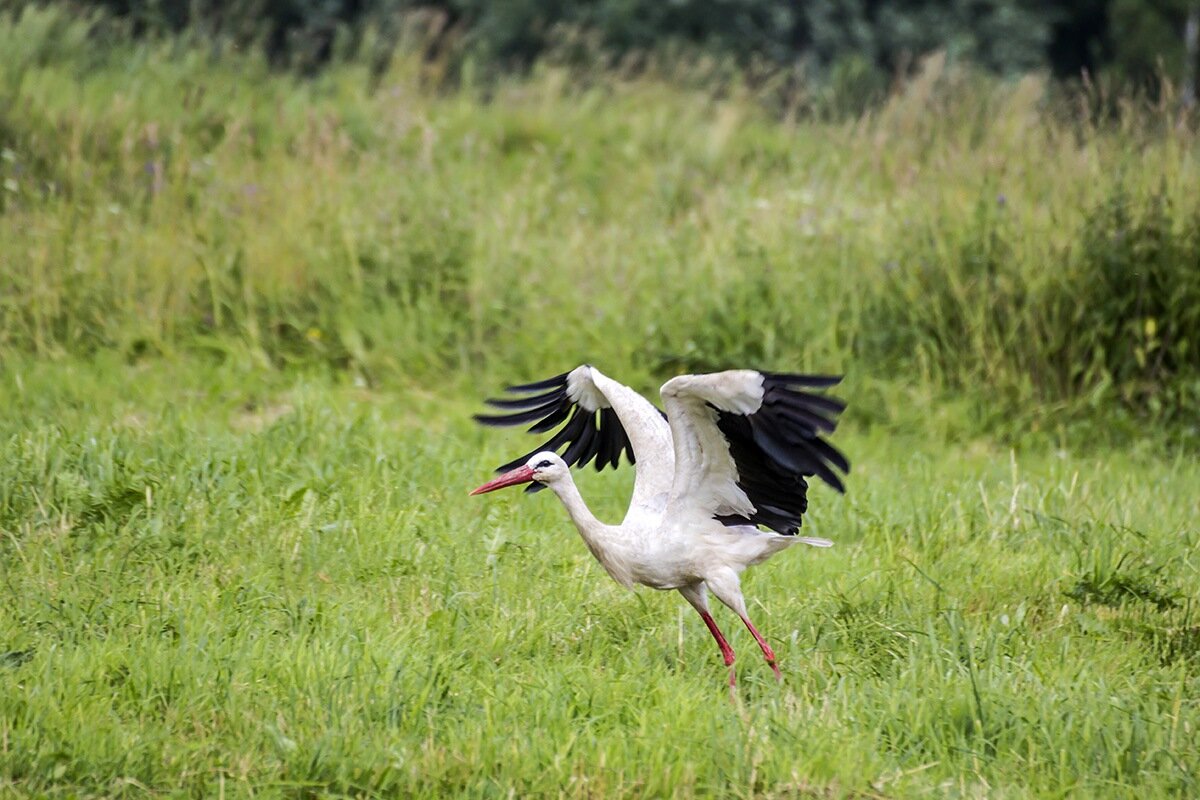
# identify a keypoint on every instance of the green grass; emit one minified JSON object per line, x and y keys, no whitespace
{"x":993,"y":241}
{"x":244,"y":319}
{"x":228,"y":580}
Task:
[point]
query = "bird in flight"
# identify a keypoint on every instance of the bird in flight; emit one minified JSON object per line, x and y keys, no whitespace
{"x":720,"y":481}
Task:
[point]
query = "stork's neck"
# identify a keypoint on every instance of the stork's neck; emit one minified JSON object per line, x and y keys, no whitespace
{"x":603,"y":540}
{"x":589,"y":527}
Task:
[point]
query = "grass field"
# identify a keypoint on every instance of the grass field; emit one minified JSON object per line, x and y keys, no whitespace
{"x":219,"y":581}
{"x":245,"y":318}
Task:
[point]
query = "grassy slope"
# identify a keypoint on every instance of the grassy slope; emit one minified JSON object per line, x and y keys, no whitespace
{"x":215,"y":578}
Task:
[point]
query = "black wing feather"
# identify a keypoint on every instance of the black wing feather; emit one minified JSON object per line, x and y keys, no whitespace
{"x":582,"y":449}
{"x":585,"y":435}
{"x":780,"y":445}
{"x":557,"y":382}
{"x":519,"y":418}
{"x":813,"y":402}
{"x":521,"y":402}
{"x":795,"y":379}
{"x":603,"y":446}
{"x":802,"y":413}
{"x":615,"y":435}
{"x":565,"y":435}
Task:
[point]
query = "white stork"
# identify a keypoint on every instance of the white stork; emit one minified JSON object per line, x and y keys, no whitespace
{"x":730,"y":454}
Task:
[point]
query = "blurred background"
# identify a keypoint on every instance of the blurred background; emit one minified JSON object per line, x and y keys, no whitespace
{"x":855,"y":46}
{"x":984,"y":209}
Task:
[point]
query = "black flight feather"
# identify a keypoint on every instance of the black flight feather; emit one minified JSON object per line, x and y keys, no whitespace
{"x":602,"y":440}
{"x":523,"y":402}
{"x":553,"y":419}
{"x":779,"y":445}
{"x":520,"y":418}
{"x":586,"y":435}
{"x":795,"y":379}
{"x":550,"y":383}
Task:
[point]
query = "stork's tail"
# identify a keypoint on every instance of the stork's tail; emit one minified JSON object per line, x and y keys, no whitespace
{"x":814,"y":541}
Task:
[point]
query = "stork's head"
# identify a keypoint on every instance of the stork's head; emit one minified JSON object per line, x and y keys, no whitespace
{"x":545,"y":467}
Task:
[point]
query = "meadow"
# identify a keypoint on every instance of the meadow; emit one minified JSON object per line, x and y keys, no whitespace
{"x":245,"y":317}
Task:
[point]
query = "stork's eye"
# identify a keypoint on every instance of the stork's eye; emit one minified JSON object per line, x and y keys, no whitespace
{"x":543,"y":464}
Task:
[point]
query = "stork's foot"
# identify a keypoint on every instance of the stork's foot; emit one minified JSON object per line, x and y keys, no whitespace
{"x":767,"y":652}
{"x":769,"y":655}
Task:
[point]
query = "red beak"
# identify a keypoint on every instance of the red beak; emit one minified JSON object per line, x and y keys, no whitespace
{"x":518,"y":475}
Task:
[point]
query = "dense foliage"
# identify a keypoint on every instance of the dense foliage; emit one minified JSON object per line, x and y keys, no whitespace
{"x":972,"y":237}
{"x":860,"y":42}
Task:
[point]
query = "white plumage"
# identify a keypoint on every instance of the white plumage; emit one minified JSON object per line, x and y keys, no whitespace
{"x":730,"y":454}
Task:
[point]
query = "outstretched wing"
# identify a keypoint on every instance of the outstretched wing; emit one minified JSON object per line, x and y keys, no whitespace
{"x":600,"y":419}
{"x":745,"y":441}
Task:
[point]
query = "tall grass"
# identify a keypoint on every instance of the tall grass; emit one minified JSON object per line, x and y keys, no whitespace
{"x":984,"y":238}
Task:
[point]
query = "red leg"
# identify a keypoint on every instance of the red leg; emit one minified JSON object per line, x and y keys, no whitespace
{"x":726,"y":650}
{"x":766,"y":648}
